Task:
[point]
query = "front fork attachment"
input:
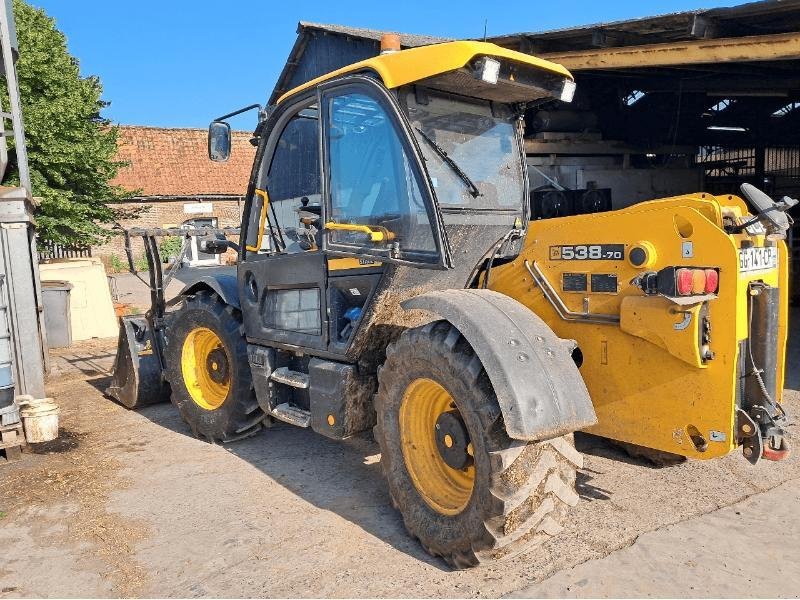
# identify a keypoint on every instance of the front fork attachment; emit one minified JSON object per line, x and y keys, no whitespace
{"x":761,"y":435}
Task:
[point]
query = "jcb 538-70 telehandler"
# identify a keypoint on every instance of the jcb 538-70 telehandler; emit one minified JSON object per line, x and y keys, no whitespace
{"x":389,"y":278}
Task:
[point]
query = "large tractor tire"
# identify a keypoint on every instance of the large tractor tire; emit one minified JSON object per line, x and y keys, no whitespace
{"x":467,"y":491}
{"x":206,"y":363}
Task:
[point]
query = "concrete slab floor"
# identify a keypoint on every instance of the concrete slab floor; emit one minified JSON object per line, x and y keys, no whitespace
{"x":130,"y":504}
{"x":751,"y":548}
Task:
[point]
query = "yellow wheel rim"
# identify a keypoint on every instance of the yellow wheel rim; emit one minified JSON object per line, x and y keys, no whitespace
{"x":206,"y":368}
{"x":445,"y":489}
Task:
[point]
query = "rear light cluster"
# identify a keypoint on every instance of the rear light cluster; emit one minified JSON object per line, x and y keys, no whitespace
{"x":694,"y":282}
{"x":679,"y":281}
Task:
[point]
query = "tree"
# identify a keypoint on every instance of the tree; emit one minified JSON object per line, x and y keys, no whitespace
{"x":71,"y":148}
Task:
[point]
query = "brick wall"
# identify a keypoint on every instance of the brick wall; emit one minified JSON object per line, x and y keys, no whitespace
{"x":168,"y":213}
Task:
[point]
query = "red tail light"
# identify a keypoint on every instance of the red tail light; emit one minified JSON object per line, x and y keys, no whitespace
{"x":695,"y":282}
{"x":712,"y":281}
{"x":683,"y":281}
{"x":679,"y":281}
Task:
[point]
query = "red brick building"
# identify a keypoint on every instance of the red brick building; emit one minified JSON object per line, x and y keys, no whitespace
{"x":176,"y":183}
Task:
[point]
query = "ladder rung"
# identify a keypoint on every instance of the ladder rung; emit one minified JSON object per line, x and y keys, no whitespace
{"x":294,"y":415}
{"x":286,"y":376}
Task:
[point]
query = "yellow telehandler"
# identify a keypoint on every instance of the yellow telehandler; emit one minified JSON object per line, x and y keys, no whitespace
{"x":390,"y":277}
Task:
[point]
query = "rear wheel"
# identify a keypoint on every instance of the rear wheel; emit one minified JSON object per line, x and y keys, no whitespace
{"x":208,"y":371}
{"x":467,"y":491}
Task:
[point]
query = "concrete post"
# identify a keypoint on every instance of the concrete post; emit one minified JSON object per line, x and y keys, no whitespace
{"x":21,"y":294}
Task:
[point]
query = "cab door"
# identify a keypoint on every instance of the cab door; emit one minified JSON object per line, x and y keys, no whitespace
{"x":378,"y":206}
{"x":282,"y":274}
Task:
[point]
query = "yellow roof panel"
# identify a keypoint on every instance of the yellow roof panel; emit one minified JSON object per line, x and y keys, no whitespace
{"x":415,"y":64}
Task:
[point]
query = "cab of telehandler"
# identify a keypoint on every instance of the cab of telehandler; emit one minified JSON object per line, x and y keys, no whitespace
{"x":363,"y":185}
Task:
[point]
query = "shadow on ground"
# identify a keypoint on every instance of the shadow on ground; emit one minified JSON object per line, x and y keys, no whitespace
{"x":301,"y":460}
{"x":342,"y":477}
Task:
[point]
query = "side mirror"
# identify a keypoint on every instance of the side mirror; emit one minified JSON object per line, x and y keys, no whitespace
{"x":219,"y":141}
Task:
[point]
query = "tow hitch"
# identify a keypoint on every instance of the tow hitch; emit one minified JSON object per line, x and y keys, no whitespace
{"x":760,"y":436}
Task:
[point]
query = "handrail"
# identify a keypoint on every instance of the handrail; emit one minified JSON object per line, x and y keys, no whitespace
{"x":558,"y":304}
{"x":376,"y":234}
{"x":261,"y":221}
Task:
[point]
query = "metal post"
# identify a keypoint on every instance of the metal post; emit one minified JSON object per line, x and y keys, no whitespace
{"x":8,"y":36}
{"x":21,"y":295}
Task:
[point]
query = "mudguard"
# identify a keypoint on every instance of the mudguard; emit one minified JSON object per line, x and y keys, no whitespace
{"x":538,"y":386}
{"x":224,"y":284}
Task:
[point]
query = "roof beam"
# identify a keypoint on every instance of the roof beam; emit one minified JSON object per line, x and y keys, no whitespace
{"x":782,"y":46}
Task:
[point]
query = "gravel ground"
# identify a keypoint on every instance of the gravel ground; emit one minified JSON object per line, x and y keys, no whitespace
{"x":128,"y":503}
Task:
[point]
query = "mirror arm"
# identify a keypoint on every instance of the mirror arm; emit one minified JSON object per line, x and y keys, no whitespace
{"x":238,"y":112}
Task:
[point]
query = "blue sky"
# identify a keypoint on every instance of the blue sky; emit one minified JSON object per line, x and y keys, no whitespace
{"x":179,"y":63}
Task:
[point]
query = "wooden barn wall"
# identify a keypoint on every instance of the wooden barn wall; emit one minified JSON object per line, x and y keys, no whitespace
{"x":325,"y":53}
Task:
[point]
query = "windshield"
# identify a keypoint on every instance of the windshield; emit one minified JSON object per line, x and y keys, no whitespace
{"x":481,"y":144}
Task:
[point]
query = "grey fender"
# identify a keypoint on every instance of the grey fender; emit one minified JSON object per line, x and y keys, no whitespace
{"x":538,"y":386}
{"x":224,"y":284}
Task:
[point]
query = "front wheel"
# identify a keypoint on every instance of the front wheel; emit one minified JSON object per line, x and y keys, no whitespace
{"x":208,"y":371}
{"x":467,"y":491}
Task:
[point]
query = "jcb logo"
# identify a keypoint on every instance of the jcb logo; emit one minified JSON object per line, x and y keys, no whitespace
{"x":555,"y":252}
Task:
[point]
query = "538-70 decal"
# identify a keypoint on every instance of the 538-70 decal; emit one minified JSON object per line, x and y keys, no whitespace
{"x":588,"y":252}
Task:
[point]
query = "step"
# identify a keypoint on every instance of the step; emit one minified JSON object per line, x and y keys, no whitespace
{"x":294,"y":415}
{"x":295,"y":379}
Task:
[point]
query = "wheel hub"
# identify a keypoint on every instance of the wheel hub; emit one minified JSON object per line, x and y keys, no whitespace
{"x":217,"y":365}
{"x":452,"y":440}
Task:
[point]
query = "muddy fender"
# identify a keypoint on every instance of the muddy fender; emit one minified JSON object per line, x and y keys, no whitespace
{"x":540,"y":391}
{"x":223,"y":285}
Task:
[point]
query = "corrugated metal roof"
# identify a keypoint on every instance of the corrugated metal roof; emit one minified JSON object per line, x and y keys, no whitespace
{"x":752,"y":18}
{"x":409,"y":40}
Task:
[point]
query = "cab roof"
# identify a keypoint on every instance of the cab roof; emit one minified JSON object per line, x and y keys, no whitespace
{"x":438,"y":63}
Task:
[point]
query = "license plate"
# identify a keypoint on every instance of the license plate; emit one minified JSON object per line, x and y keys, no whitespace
{"x":757,"y":259}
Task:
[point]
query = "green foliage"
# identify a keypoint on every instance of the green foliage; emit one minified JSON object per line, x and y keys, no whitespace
{"x":71,"y":149}
{"x":170,"y":246}
{"x":117,"y":264}
{"x":141,"y":263}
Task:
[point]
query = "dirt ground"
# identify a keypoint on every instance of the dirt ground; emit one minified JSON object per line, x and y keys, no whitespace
{"x":129,"y":504}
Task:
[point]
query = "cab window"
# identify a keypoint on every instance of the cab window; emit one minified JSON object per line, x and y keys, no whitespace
{"x":291,"y":178}
{"x":480,"y":138}
{"x":377,"y":205}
